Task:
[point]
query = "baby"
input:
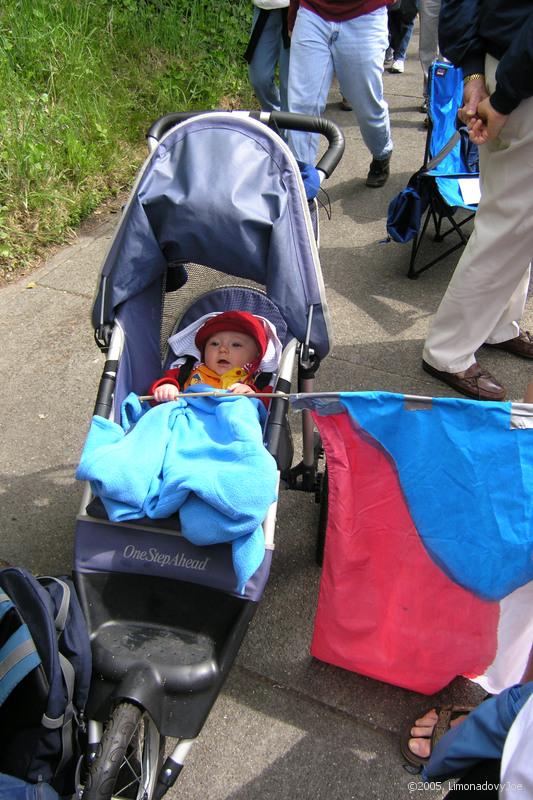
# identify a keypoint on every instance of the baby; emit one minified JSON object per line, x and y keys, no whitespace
{"x":232,"y":347}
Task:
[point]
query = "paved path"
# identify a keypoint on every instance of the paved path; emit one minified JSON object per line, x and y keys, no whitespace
{"x":285,"y":726}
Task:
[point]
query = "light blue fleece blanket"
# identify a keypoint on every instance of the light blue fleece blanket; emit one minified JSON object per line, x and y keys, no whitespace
{"x":203,"y":456}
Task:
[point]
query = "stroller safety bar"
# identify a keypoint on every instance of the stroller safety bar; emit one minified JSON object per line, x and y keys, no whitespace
{"x":219,"y":393}
{"x":280,"y":119}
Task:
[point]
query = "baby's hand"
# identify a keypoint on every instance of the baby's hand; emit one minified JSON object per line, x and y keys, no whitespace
{"x":240,"y":388}
{"x":165,"y":392}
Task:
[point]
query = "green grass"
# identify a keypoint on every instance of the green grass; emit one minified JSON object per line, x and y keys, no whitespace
{"x":82,"y":80}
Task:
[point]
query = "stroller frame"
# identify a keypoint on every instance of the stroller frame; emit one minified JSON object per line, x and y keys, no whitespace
{"x":163,"y":646}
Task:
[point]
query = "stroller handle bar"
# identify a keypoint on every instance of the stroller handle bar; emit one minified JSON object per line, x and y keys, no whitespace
{"x":280,"y":119}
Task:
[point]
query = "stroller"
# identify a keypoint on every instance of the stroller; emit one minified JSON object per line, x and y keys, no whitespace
{"x":218,"y":220}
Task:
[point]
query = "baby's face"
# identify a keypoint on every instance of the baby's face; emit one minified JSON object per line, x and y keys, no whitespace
{"x":229,"y":349}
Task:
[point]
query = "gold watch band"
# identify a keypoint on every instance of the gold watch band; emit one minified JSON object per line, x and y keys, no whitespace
{"x":473,"y":77}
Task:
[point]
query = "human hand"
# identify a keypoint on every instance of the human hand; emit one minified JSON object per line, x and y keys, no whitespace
{"x":487,"y":124}
{"x":240,"y":388}
{"x":165,"y":392}
{"x":473,"y":93}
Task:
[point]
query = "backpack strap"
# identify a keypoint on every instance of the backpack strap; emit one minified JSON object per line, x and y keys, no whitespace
{"x":69,"y":677}
{"x":65,"y":721}
{"x":18,"y":656}
{"x":60,"y":616}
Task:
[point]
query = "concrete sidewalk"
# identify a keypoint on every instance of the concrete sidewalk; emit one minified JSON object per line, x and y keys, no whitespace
{"x":285,"y":726}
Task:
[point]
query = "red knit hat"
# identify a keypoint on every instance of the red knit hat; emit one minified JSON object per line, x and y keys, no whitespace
{"x":240,"y":321}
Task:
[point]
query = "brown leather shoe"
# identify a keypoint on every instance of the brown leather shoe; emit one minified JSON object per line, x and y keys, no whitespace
{"x":521,"y":345}
{"x":475,"y":382}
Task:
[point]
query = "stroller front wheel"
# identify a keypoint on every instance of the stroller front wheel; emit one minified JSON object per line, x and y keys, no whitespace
{"x":128,"y":757}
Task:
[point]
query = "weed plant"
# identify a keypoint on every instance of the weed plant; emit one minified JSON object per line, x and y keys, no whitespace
{"x":82,"y":80}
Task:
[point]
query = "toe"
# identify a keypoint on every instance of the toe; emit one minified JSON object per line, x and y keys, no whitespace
{"x":429,"y":719}
{"x":423,"y":731}
{"x":420,"y":747}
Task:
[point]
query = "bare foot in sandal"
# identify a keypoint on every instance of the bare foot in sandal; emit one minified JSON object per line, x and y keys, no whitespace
{"x":419,"y":738}
{"x":422,"y":731}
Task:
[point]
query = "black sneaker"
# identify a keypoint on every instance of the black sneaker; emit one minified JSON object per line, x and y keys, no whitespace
{"x":378,"y":173}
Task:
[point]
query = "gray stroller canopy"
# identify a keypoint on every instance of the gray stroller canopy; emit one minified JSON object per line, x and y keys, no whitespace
{"x":221,"y":190}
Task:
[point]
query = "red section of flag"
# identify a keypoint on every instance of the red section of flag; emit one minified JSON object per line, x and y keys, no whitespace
{"x":385,"y":609}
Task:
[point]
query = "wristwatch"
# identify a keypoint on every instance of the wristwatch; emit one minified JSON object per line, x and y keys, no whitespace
{"x":473,"y":77}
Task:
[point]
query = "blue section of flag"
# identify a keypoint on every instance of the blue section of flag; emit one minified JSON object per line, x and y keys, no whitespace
{"x":467,"y":477}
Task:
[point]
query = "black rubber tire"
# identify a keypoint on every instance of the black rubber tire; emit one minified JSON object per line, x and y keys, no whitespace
{"x":322,"y":518}
{"x":109,"y":773}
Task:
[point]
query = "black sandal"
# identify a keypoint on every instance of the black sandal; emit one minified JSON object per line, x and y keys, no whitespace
{"x":445,"y":716}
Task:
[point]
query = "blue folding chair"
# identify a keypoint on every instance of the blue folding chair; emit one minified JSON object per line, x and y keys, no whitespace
{"x":441,"y":186}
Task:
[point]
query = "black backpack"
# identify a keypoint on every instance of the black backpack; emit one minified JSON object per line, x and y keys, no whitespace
{"x":45,"y":672}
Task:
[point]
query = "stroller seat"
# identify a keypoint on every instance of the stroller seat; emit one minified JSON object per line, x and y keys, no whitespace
{"x":184,"y":660}
{"x":96,"y":509}
{"x":169,"y":639}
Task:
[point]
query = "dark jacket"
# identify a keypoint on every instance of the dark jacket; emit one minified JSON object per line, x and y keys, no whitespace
{"x":469,"y":29}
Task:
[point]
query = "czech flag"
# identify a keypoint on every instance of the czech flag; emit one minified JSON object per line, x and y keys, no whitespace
{"x":428,"y":564}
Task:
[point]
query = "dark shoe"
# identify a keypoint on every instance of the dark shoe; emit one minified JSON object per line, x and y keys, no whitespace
{"x":521,"y":345}
{"x":423,"y":108}
{"x":344,"y":105}
{"x":378,"y":173}
{"x":475,"y":382}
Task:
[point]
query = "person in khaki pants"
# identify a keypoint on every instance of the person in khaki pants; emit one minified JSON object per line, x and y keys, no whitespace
{"x":492,"y":41}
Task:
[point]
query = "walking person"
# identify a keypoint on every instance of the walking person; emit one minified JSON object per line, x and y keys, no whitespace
{"x":492,"y":41}
{"x":268,"y":51}
{"x":401,"y":25}
{"x":348,"y":38}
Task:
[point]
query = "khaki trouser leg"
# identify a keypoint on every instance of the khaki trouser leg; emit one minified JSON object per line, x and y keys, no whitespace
{"x":486,"y":296}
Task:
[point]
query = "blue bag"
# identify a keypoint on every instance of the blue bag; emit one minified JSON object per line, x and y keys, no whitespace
{"x":405,"y":210}
{"x":45,"y":671}
{"x":469,"y":152}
